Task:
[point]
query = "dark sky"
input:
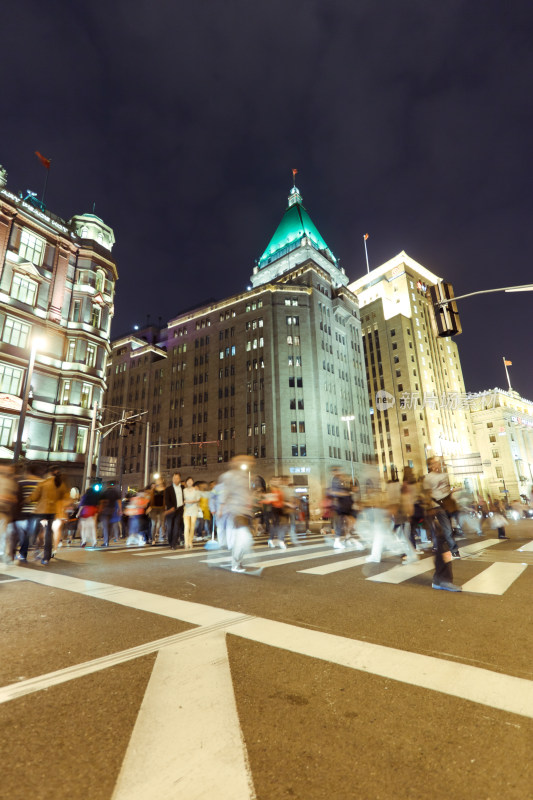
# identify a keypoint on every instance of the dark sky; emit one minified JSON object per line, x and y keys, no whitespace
{"x":410,"y":120}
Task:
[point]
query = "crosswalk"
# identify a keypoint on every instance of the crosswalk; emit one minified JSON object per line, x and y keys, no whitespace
{"x":494,"y":578}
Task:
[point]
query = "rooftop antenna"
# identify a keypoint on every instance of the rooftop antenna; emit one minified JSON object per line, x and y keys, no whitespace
{"x":94,"y":205}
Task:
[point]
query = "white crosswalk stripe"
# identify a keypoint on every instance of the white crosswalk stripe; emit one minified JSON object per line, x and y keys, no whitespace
{"x":495,"y":579}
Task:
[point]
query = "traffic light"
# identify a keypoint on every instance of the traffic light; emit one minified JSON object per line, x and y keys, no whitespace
{"x":444,"y":315}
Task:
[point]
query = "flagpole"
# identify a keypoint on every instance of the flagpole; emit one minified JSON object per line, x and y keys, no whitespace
{"x":365,"y":237}
{"x":507,"y":373}
{"x":44,"y":187}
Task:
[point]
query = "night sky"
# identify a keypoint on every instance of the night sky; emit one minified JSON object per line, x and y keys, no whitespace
{"x":181,"y":121}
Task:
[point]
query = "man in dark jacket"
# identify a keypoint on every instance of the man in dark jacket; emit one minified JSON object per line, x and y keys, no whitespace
{"x":174,"y":512}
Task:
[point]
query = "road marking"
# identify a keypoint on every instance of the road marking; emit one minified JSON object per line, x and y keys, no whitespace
{"x":224,"y":554}
{"x":526,"y":547}
{"x":37,"y":684}
{"x":402,"y":572}
{"x":327,"y":569}
{"x":504,"y":692}
{"x":280,"y":560}
{"x":194,"y":613}
{"x":187,"y":739}
{"x":495,"y":579}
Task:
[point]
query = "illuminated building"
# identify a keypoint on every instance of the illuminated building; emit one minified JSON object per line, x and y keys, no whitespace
{"x":57,"y":283}
{"x":415,"y":381}
{"x":270,"y":372}
{"x":503,"y":426}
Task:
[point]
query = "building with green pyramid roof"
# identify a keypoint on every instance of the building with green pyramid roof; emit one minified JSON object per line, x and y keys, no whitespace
{"x":296,"y":239}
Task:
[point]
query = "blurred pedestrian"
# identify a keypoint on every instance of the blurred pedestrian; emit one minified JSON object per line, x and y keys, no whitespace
{"x":46,"y":495}
{"x":156,"y":510}
{"x":191,"y":496}
{"x":8,"y":505}
{"x":236,"y":507}
{"x":110,"y":512}
{"x":438,"y":495}
{"x":87,"y":516}
{"x":174,"y":507}
{"x":498,"y":519}
{"x":26,"y":521}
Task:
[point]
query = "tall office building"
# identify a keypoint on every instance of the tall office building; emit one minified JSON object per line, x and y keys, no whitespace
{"x":415,"y":383}
{"x":57,"y":284}
{"x":271,"y":372}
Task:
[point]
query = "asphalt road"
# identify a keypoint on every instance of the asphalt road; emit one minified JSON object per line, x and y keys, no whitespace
{"x":139,"y":674}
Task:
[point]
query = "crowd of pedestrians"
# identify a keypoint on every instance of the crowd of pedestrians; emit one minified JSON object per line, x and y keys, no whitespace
{"x":407,"y":517}
{"x":39,"y":512}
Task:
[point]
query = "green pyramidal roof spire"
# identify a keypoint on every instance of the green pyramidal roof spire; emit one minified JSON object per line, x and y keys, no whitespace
{"x":294,"y":226}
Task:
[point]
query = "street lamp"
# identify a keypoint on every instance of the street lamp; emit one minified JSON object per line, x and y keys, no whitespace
{"x":37,"y":344}
{"x":347,"y":420}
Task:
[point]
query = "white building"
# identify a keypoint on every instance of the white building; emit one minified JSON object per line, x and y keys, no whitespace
{"x":503,"y":426}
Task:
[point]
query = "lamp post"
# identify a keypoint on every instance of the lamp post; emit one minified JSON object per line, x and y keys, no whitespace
{"x":35,"y":345}
{"x":347,"y":420}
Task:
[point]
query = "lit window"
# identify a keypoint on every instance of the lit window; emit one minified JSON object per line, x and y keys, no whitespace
{"x":99,"y":281}
{"x":295,"y":449}
{"x":6,"y":427}
{"x":263,"y":428}
{"x":81,"y":440}
{"x":86,"y":395}
{"x":31,"y":248}
{"x":96,"y":316}
{"x":10,"y":379}
{"x":71,"y":350}
{"x":59,"y":438}
{"x":15,"y":332}
{"x":24,"y":289}
{"x":301,"y":427}
{"x":76,"y":311}
{"x":90,"y":357}
{"x":65,"y":392}
{"x":303,"y":450}
{"x":293,"y":426}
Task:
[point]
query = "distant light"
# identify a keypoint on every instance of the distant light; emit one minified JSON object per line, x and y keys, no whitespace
{"x":156,"y":475}
{"x":248,"y":288}
{"x":244,"y":466}
{"x":135,"y":327}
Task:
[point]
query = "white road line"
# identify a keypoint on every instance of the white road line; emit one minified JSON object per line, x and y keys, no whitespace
{"x":471,"y":549}
{"x":187,"y":739}
{"x":194,"y":613}
{"x":402,"y":572}
{"x":265,"y":551}
{"x":40,"y":682}
{"x":503,"y":692}
{"x":496,"y":579}
{"x":493,"y":689}
{"x":327,"y":569}
{"x":526,"y":548}
{"x":280,"y":561}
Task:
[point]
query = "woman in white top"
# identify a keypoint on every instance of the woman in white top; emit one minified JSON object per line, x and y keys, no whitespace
{"x":191,"y":496}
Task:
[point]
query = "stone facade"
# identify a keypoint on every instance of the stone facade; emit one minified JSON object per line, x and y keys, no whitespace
{"x":503,"y":426}
{"x":57,"y":283}
{"x":270,"y":372}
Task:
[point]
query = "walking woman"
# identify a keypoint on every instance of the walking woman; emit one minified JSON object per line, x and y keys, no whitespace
{"x":48,"y":493}
{"x":191,"y":497}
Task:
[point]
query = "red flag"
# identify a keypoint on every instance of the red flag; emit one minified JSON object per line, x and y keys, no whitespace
{"x":44,"y":161}
{"x":365,"y":237}
{"x":294,"y":173}
{"x":507,"y":363}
